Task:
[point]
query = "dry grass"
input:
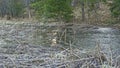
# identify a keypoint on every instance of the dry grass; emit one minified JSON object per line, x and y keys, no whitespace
{"x":24,"y":53}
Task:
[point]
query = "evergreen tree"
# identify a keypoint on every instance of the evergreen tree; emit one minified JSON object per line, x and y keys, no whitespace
{"x":59,"y":10}
{"x":11,"y":8}
{"x":17,"y":8}
{"x":115,"y":9}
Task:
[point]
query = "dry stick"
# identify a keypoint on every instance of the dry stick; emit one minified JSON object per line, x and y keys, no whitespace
{"x":61,"y":66}
{"x":68,"y":51}
{"x":116,"y":61}
{"x":68,"y":65}
{"x":75,"y":55}
{"x":8,"y":55}
{"x":71,"y":51}
{"x":86,"y":64}
{"x":12,"y":27}
{"x":99,"y":50}
{"x":78,"y":60}
{"x":62,"y":35}
{"x":14,"y":38}
{"x":17,"y":39}
{"x":74,"y":36}
{"x":74,"y":32}
{"x":65,"y":35}
{"x":111,"y":55}
{"x":11,"y":60}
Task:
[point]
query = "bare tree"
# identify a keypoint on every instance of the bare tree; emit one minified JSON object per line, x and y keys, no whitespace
{"x":28,"y":8}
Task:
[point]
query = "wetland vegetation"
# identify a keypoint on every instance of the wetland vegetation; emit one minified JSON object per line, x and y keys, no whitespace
{"x":60,"y":34}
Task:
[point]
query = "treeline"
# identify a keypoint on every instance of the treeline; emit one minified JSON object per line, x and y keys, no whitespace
{"x":15,"y":8}
{"x":60,"y":10}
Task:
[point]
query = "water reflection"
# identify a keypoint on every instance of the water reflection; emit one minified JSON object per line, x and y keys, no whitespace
{"x":104,"y":30}
{"x":80,"y":37}
{"x":84,"y":38}
{"x":107,"y":38}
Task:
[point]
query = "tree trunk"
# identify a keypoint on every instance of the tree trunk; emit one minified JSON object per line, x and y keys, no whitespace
{"x":83,"y":11}
{"x":74,"y":3}
{"x":29,"y":12}
{"x":28,"y":9}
